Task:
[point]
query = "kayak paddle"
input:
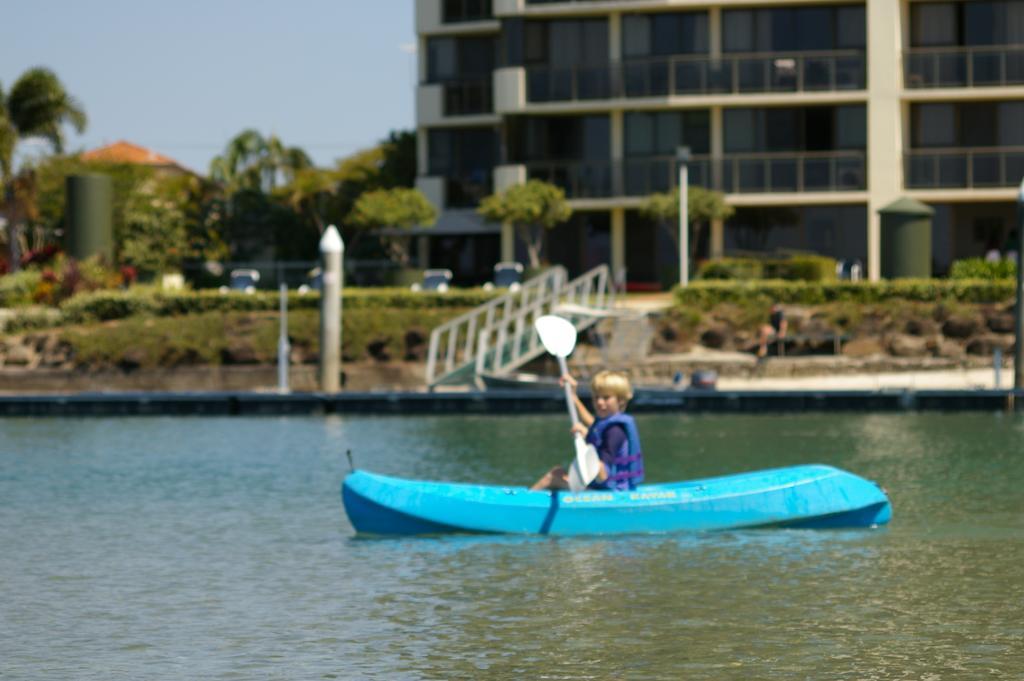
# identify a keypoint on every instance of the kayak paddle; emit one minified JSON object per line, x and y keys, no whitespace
{"x":558,"y":336}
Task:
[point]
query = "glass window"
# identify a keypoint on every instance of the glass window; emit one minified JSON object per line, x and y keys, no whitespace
{"x":668,"y":133}
{"x":783,"y":31}
{"x":851,"y":127}
{"x":740,"y":130}
{"x":596,"y":138}
{"x":980,"y":25}
{"x":440,"y":59}
{"x":1014,"y":23}
{"x":439,"y":144}
{"x":781,"y":129}
{"x":934,"y":125}
{"x":665,"y":36}
{"x":978,"y":124}
{"x":594,"y":42}
{"x":512,"y":41}
{"x":694,"y":29}
{"x":814,"y":28}
{"x":933,"y":24}
{"x":636,"y":38}
{"x":738,"y":30}
{"x":564,"y":43}
{"x":535,"y":46}
{"x":697,"y":131}
{"x":639,"y":134}
{"x":851,"y":28}
{"x":1011,"y":132}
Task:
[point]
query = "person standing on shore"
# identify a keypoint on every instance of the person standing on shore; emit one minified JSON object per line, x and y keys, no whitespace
{"x":775,"y":329}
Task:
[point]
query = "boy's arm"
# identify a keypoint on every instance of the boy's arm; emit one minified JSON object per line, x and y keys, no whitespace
{"x":586,"y":418}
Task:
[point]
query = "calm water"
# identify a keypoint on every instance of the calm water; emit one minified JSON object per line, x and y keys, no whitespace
{"x":219,"y":549}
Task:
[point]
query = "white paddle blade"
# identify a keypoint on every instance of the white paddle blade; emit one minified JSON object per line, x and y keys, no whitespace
{"x":557,"y":334}
{"x":585,"y":466}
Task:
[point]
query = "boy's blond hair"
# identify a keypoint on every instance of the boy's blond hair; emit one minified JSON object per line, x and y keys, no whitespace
{"x":613,"y":383}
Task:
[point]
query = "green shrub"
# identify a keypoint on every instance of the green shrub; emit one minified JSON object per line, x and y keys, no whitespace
{"x":979,"y":268}
{"x":17,"y":289}
{"x":792,"y":268}
{"x":706,"y":294}
{"x":106,"y":305}
{"x":801,"y":268}
{"x":731,"y":268}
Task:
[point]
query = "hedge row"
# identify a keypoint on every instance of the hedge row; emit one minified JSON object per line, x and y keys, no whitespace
{"x":105,"y":305}
{"x":706,"y":294}
{"x":793,"y":268}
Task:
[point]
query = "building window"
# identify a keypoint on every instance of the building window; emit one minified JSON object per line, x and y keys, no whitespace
{"x":459,"y":59}
{"x":465,"y":157}
{"x":662,"y":35}
{"x":661,"y":133}
{"x":981,"y":22}
{"x":456,"y":11}
{"x":813,"y":128}
{"x":967,"y":124}
{"x":564,"y":43}
{"x":788,"y":29}
{"x":559,"y":138}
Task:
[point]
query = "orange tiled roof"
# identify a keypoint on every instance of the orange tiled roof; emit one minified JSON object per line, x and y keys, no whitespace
{"x":126,"y":152}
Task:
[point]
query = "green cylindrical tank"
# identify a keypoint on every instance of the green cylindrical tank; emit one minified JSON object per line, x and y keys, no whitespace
{"x":89,"y":211}
{"x":906,"y":239}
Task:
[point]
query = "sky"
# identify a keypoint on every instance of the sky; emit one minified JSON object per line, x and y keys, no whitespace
{"x":182,"y":77}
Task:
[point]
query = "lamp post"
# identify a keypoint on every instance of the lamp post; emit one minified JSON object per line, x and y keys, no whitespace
{"x":1018,"y":354}
{"x":683,"y":157}
{"x":332,"y":248}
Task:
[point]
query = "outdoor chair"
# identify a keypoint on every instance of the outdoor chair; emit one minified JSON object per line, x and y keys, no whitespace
{"x":242,"y":280}
{"x":434,"y":280}
{"x":506,"y":275}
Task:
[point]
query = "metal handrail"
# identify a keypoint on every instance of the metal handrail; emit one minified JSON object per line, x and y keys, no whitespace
{"x":453,"y":343}
{"x":923,"y":66}
{"x":512,"y":341}
{"x":964,"y":167}
{"x":725,"y":74}
{"x":770,"y":163}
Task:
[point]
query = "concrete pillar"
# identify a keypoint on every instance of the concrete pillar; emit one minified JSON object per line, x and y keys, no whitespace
{"x":715,"y":31}
{"x":618,"y":145}
{"x":508,"y":242}
{"x":717,"y":147}
{"x":423,"y":252}
{"x":618,"y":242}
{"x":717,"y":238}
{"x":884,"y":118}
{"x":421,"y":152}
{"x":614,"y":37}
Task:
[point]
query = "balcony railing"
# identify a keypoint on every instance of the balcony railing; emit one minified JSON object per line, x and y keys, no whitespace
{"x":831,"y":171}
{"x":963,"y":67}
{"x":701,"y":75}
{"x":964,"y":168}
{"x":468,"y":97}
{"x":809,"y":171}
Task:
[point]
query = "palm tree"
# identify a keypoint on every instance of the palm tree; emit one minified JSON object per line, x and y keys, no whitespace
{"x":37,"y":106}
{"x":252,"y":161}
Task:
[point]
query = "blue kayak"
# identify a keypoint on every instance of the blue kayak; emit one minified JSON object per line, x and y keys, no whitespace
{"x":811,"y":496}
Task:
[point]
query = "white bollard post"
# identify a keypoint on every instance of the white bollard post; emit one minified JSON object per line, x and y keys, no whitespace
{"x":332,"y":249}
{"x":683,"y":157}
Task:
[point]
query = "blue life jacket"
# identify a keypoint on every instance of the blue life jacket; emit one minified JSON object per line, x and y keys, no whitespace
{"x":624,"y":472}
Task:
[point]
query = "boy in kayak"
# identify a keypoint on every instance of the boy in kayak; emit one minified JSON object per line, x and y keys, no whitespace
{"x":610,"y":430}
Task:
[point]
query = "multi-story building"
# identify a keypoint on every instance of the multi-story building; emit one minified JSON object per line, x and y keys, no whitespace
{"x":810,"y":115}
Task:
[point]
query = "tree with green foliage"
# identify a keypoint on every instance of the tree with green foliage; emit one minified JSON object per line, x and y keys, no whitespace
{"x":702,"y":205}
{"x":38,"y":106}
{"x":397,"y":209}
{"x":532,"y":208}
{"x":252,"y":161}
